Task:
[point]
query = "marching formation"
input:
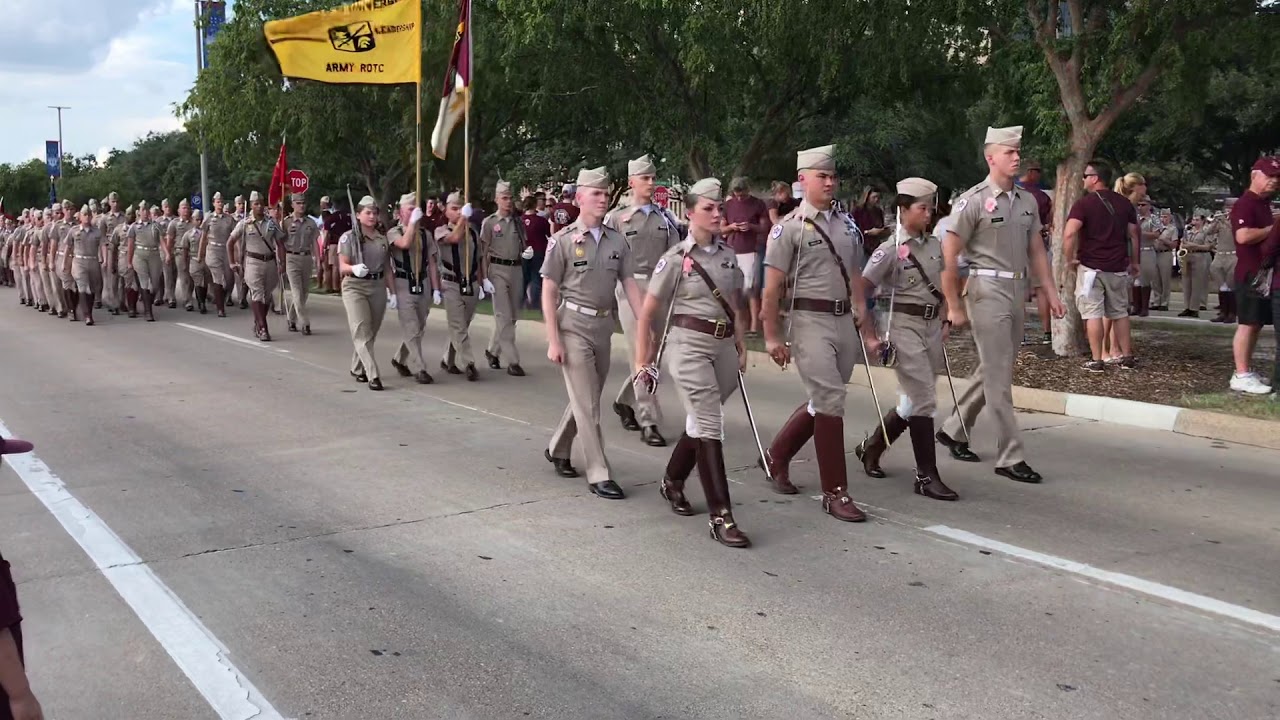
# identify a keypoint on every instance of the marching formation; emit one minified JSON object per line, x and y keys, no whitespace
{"x":674,"y":286}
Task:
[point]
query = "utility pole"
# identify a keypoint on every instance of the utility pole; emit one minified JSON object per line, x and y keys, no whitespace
{"x":204,"y":157}
{"x":61,"y":149}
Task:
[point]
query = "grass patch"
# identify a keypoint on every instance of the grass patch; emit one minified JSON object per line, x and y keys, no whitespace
{"x":1259,"y":407}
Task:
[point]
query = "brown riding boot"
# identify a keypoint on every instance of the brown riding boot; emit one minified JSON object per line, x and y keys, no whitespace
{"x":131,"y":302}
{"x":148,"y":300}
{"x":793,"y":435}
{"x":220,"y":300}
{"x":1144,"y":302}
{"x":1232,"y":307}
{"x":928,"y":481}
{"x":683,"y":457}
{"x":828,"y":440}
{"x":86,"y":308}
{"x":74,"y":305}
{"x":870,"y":450}
{"x":260,"y":311}
{"x":715,"y":485}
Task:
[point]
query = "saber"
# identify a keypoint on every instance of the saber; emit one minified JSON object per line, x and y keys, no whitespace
{"x":946,"y":359}
{"x":751,"y":419}
{"x":791,"y":310}
{"x":871,"y":383}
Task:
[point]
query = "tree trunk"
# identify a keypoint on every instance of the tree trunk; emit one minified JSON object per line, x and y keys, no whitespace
{"x":1069,"y":338}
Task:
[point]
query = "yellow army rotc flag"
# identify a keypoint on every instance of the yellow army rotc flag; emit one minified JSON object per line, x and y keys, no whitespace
{"x":372,"y":41}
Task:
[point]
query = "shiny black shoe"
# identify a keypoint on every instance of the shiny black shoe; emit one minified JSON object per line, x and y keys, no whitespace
{"x":494,"y":364}
{"x":190,"y":308}
{"x":959,"y":450}
{"x":402,"y":369}
{"x":375,"y":384}
{"x":627,"y":415}
{"x":293,"y":327}
{"x":515,"y":370}
{"x":607,"y":490}
{"x":360,"y":377}
{"x":563,"y":467}
{"x":650,"y":436}
{"x":173,"y":305}
{"x":423,"y":378}
{"x":306,"y":329}
{"x":1021,"y":472}
{"x":451,"y":369}
{"x":472,"y":374}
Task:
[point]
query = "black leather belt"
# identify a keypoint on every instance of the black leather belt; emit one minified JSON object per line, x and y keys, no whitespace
{"x":718,"y":329}
{"x":304,"y":252}
{"x":370,"y":276}
{"x":928,"y":312}
{"x":831,"y":307}
{"x":262,"y":258}
{"x":500,"y":261}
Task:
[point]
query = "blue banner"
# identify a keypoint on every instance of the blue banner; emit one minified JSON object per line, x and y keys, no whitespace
{"x":215,"y":16}
{"x":53,"y":158}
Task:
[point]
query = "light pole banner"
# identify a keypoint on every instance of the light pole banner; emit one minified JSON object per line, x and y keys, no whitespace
{"x":215,"y":16}
{"x":53,"y":158}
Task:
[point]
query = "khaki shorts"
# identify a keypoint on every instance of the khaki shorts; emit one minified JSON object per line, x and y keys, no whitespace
{"x":1107,"y":298}
{"x":747,"y":264}
{"x":331,"y":256}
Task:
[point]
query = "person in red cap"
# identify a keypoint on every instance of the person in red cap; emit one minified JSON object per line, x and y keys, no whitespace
{"x":16,"y":699}
{"x":1251,"y":220}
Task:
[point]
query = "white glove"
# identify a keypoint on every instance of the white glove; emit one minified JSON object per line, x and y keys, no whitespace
{"x":436,"y":297}
{"x":391,"y":300}
{"x":479,"y":293}
{"x":360,"y":270}
{"x":487,"y":285}
{"x":466,"y":211}
{"x":416,"y":216}
{"x":527,"y":254}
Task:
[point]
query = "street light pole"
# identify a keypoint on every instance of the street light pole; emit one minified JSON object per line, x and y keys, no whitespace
{"x":204,"y":157}
{"x":61,"y":151}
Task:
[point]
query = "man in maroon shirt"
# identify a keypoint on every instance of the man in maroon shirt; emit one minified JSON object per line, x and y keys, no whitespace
{"x":1101,"y":242}
{"x":536,"y":232}
{"x":564,"y":212}
{"x":1251,"y":220}
{"x":745,"y":219}
{"x":870,"y":220}
{"x":1030,"y":181}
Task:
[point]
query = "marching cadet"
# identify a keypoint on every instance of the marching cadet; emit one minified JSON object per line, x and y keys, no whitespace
{"x":263,"y":251}
{"x":169,"y":262}
{"x":31,"y":253}
{"x":45,"y":261}
{"x":127,"y":277}
{"x":701,"y":281}
{"x":85,"y":263}
{"x":99,"y":300}
{"x":6,"y":231}
{"x":412,"y":303}
{"x":1195,"y":275}
{"x":819,"y":250}
{"x":179,"y":277}
{"x":362,"y":261}
{"x":1149,"y":276}
{"x":144,"y":257}
{"x":459,"y":290}
{"x":62,"y":263}
{"x":503,"y":241}
{"x":1223,"y":268}
{"x":18,"y":260}
{"x":240,"y":287}
{"x":301,"y":235}
{"x":110,"y":219}
{"x":904,"y":268}
{"x":215,"y":233}
{"x":190,"y":266}
{"x":997,"y":227}
{"x":584,"y":262}
{"x":1165,"y":246}
{"x":649,"y":231}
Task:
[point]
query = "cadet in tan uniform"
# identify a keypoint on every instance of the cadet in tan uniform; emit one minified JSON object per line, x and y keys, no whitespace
{"x":167,"y":292}
{"x":85,"y":263}
{"x":1166,"y":244}
{"x":215,"y":233}
{"x":460,"y":293}
{"x":412,"y":302}
{"x":584,"y":262}
{"x":263,"y":252}
{"x":177,"y":278}
{"x":1223,"y":268}
{"x":190,"y":265}
{"x":144,"y":257}
{"x":18,"y":258}
{"x":241,"y":288}
{"x":997,"y":227}
{"x":1195,"y":268}
{"x":1149,"y":269}
{"x":700,"y":280}
{"x":127,"y":277}
{"x":301,"y":234}
{"x":649,"y":231}
{"x":111,"y":218}
{"x":906,"y":268}
{"x":45,"y":262}
{"x":503,"y":243}
{"x":817,"y":250}
{"x":366,"y":284}
{"x":64,"y":282}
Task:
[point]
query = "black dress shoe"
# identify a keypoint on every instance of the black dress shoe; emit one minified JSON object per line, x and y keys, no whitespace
{"x":402,"y":369}
{"x":375,"y":384}
{"x":360,"y":377}
{"x":191,"y":308}
{"x":493,"y":360}
{"x":174,"y":305}
{"x":423,"y":378}
{"x":515,"y":370}
{"x":563,"y":467}
{"x":650,"y":436}
{"x":608,"y":490}
{"x":472,"y":374}
{"x":628,"y":416}
{"x":293,"y":327}
{"x":306,"y":329}
{"x":1021,"y":472}
{"x":451,"y":369}
{"x":959,"y":450}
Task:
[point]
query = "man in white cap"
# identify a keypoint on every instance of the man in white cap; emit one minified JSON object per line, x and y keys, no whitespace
{"x":564,"y":212}
{"x":241,"y":288}
{"x":264,"y":256}
{"x":649,"y":231}
{"x":144,"y":241}
{"x":463,"y":282}
{"x":215,"y":233}
{"x":503,"y":244}
{"x":175,"y":233}
{"x":413,"y":281}
{"x":997,"y":227}
{"x":584,"y":262}
{"x":168,"y":293}
{"x":301,"y":235}
{"x":817,"y":250}
{"x":110,"y":219}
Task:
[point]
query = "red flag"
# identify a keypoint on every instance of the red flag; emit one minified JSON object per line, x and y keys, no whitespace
{"x":276,"y":192}
{"x":457,"y":83}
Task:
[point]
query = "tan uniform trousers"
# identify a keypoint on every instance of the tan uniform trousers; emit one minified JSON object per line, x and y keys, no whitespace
{"x":170,"y":269}
{"x":587,"y":344}
{"x":87,"y":273}
{"x":508,"y":292}
{"x":197,"y":274}
{"x":825,"y":348}
{"x":56,"y":282}
{"x":1149,"y":273}
{"x":65,"y":275}
{"x":219,"y":268}
{"x":705,"y":373}
{"x":1222,"y":271}
{"x":297,"y":270}
{"x":262,"y":279}
{"x":183,"y":285}
{"x":149,"y":269}
{"x":52,"y":296}
{"x":412,"y":310}
{"x":996,"y":314}
{"x":1164,"y":268}
{"x":1195,"y":280}
{"x":459,"y":309}
{"x":366,"y":305}
{"x":648,"y":411}
{"x":919,"y":344}
{"x":110,"y":280}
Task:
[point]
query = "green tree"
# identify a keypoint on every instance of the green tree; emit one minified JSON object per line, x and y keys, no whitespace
{"x":24,"y":186}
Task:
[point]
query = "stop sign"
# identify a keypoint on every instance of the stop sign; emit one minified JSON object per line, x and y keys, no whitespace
{"x":298,"y":181}
{"x":661,"y":195}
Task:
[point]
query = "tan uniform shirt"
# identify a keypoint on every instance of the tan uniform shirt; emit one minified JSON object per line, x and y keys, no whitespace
{"x":996,"y":226}
{"x":374,"y":250}
{"x":258,"y":236}
{"x":694,"y":297}
{"x":897,"y":276}
{"x":819,"y":276}
{"x":145,"y":236}
{"x":586,"y":269}
{"x":649,"y":231}
{"x":85,"y":243}
{"x":502,"y":237}
{"x":176,"y":230}
{"x":300,"y":235}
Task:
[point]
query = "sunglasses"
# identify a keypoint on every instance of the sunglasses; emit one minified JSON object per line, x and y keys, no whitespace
{"x":1089,"y":175}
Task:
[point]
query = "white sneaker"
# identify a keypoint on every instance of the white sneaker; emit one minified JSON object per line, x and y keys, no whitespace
{"x":1249,"y":383}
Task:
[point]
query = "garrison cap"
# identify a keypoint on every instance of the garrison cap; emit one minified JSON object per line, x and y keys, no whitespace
{"x":408,"y":199}
{"x":819,"y":158}
{"x":239,"y":199}
{"x":594,"y":178}
{"x":367,"y":202}
{"x":217,"y":196}
{"x":455,"y":198}
{"x":113,"y":196}
{"x":85,"y":209}
{"x":1009,"y":136}
{"x":253,"y":197}
{"x":502,"y":188}
{"x":298,"y":197}
{"x":326,"y":200}
{"x":708,"y":188}
{"x":642,"y":165}
{"x":916,"y":187}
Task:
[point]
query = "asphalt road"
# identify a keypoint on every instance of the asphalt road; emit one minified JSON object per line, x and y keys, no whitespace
{"x":246,"y":532}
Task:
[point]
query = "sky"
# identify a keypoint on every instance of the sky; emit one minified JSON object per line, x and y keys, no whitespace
{"x":120,"y":65}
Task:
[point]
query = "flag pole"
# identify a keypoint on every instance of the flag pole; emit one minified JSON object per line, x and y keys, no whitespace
{"x":415,"y":243}
{"x":466,"y":138}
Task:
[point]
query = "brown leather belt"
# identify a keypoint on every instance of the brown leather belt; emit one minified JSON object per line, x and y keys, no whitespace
{"x":830,"y":307}
{"x":303,"y":252}
{"x":928,"y":312}
{"x":263,"y":258}
{"x":718,"y":329}
{"x":500,"y":261}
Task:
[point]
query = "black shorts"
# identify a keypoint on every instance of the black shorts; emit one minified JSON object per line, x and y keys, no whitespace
{"x":1251,"y":309}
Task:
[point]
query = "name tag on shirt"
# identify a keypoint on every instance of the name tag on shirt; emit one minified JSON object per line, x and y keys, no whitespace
{"x":997,"y":221}
{"x":579,"y":263}
{"x":815,"y":242}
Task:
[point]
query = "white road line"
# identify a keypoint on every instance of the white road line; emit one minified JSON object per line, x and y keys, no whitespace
{"x":201,"y":656}
{"x":243,"y":341}
{"x":1164,"y":592}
